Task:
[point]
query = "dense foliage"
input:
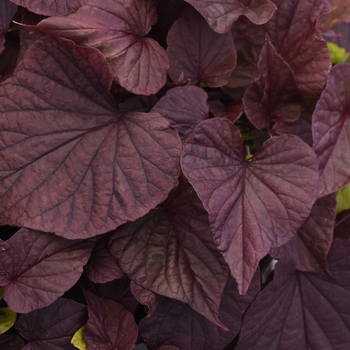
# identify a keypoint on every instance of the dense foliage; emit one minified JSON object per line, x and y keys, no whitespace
{"x":157,"y":157}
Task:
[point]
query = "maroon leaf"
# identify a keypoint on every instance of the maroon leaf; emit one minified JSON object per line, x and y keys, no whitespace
{"x":197,"y":53}
{"x":110,"y":325}
{"x":308,"y":249}
{"x":87,"y":169}
{"x":39,"y":267}
{"x":231,"y":111}
{"x":340,"y":13}
{"x":52,"y":327}
{"x":275,"y":95}
{"x":143,"y":295}
{"x":300,"y":43}
{"x":340,"y":35}
{"x":331,"y":133}
{"x":171,"y":252}
{"x":174,"y":323}
{"x":253,"y":205}
{"x":101,"y":267}
{"x":342,"y":226}
{"x":118,"y":30}
{"x":302,"y":310}
{"x":7,"y":11}
{"x":11,"y":342}
{"x":221,"y":14}
{"x":184,"y":107}
{"x":51,"y":7}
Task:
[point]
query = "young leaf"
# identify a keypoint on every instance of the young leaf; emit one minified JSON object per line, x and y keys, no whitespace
{"x":39,"y":267}
{"x":7,"y":319}
{"x":331,"y":133}
{"x":221,"y":14}
{"x":52,"y":327}
{"x":118,"y":29}
{"x":87,"y":169}
{"x":78,"y":339}
{"x":110,"y":326}
{"x":171,"y":252}
{"x":7,"y":11}
{"x":338,"y":54}
{"x":343,"y":199}
{"x":253,"y":205}
{"x":197,"y":53}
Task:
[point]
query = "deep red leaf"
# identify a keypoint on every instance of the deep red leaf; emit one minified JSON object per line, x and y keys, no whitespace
{"x":11,"y":342}
{"x":300,"y":43}
{"x":87,"y":169}
{"x":197,"y":53}
{"x":275,"y":94}
{"x":300,"y":310}
{"x":331,"y":132}
{"x":118,"y":29}
{"x":309,"y":248}
{"x":253,"y":205}
{"x":110,"y":325}
{"x":184,"y":107}
{"x":231,"y":111}
{"x":52,"y":327}
{"x":221,"y":14}
{"x":101,"y":267}
{"x":51,"y":7}
{"x":171,"y":252}
{"x":39,"y":267}
{"x":7,"y":11}
{"x":174,"y":323}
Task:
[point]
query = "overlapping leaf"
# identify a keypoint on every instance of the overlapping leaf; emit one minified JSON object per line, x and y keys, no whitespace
{"x":175,"y":323}
{"x":7,"y":11}
{"x":221,"y":14}
{"x":231,"y":111}
{"x":309,"y":248}
{"x":253,"y":205}
{"x":197,"y":53}
{"x":340,"y":13}
{"x":300,"y":310}
{"x":38,"y":267}
{"x":110,"y":325}
{"x":118,"y":29}
{"x":171,"y":252}
{"x":53,"y":326}
{"x":184,"y":107}
{"x":275,"y":95}
{"x":81,"y":168}
{"x":331,"y":132}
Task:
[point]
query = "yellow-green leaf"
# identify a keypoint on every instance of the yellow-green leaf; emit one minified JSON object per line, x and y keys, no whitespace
{"x":338,"y":54}
{"x":343,"y":199}
{"x":78,"y":339}
{"x":7,"y":319}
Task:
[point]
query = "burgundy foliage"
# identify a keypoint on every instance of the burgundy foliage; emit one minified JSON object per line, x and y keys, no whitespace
{"x":158,"y":160}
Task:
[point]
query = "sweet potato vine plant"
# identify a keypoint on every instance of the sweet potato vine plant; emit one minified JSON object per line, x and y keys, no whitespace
{"x":157,"y":158}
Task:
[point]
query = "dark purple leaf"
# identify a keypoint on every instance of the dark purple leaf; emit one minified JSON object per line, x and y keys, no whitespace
{"x":174,"y":323}
{"x":51,"y":7}
{"x":119,"y":291}
{"x":231,"y":111}
{"x":253,"y":205}
{"x":171,"y":252}
{"x":221,"y":14}
{"x":39,"y":267}
{"x":110,"y":325}
{"x":8,"y":57}
{"x":197,"y":53}
{"x":138,"y":104}
{"x":143,"y":295}
{"x":101,"y":267}
{"x":340,"y":13}
{"x":7,"y":11}
{"x":11,"y":342}
{"x":342,"y":226}
{"x":300,"y":310}
{"x":184,"y":107}
{"x":300,"y":43}
{"x":118,"y":30}
{"x":308,"y":249}
{"x":300,"y":128}
{"x":275,"y":95}
{"x":331,"y":132}
{"x":86,"y":168}
{"x":52,"y":327}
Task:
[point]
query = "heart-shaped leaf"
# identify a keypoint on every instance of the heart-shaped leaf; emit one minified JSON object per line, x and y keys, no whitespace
{"x":253,"y":205}
{"x":87,"y":168}
{"x":38,"y":267}
{"x":118,"y":29}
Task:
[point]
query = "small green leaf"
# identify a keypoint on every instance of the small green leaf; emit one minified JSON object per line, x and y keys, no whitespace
{"x":343,"y":199}
{"x":78,"y":339}
{"x":338,"y":54}
{"x":7,"y":319}
{"x":248,"y":156}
